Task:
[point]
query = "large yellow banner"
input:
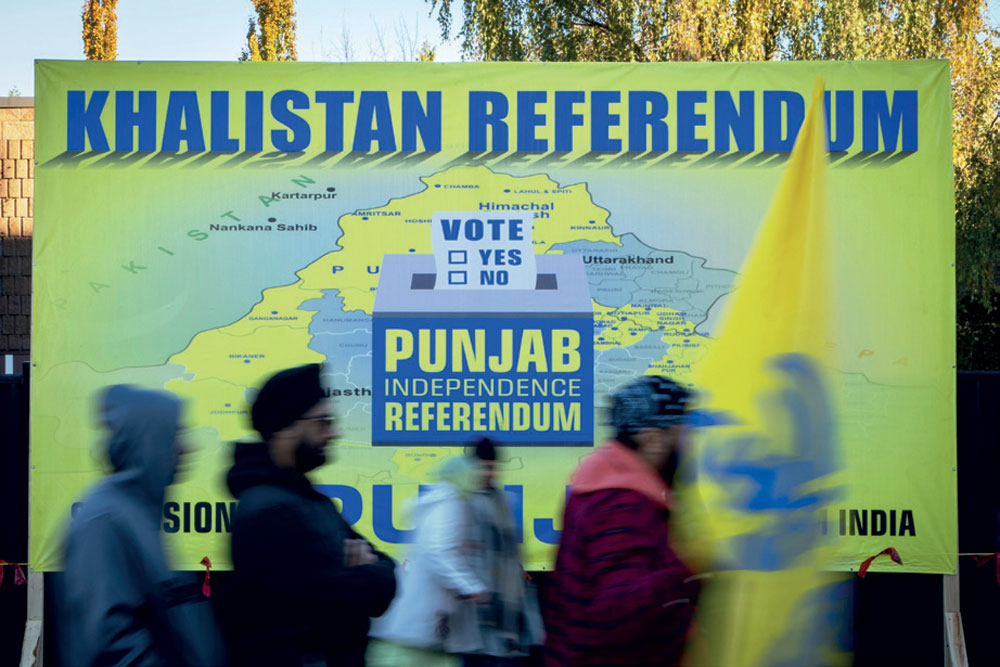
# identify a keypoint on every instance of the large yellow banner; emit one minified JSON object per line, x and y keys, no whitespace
{"x":477,"y":249}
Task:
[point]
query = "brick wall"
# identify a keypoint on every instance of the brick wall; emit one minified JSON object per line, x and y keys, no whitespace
{"x":17,"y":187}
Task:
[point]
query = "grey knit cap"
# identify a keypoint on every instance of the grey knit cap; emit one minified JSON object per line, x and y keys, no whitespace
{"x":652,"y":401}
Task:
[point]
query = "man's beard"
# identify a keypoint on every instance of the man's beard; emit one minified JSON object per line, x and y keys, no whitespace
{"x":308,"y":457}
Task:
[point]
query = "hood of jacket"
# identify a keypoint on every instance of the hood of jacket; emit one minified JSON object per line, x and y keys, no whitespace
{"x":429,"y":497}
{"x":253,"y":466}
{"x":455,"y":480}
{"x":142,"y":434}
{"x":615,"y":466}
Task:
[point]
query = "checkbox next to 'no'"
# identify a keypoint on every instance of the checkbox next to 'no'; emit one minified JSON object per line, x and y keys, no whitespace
{"x":458,"y":257}
{"x":457,"y":278}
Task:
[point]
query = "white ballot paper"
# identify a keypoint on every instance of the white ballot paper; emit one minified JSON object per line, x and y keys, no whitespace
{"x":483,"y":250}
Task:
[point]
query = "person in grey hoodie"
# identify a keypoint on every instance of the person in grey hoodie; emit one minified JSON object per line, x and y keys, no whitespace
{"x":121,"y":603}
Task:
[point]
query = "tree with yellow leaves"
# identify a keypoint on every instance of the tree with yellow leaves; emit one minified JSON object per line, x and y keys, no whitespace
{"x":746,"y":30}
{"x":100,"y":29}
{"x":271,"y":35}
{"x":427,"y":53}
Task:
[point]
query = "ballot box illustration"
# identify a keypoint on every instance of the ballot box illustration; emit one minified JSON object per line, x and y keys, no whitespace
{"x":451,"y":364}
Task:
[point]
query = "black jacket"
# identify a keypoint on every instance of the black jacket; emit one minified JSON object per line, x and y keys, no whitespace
{"x":295,"y":600}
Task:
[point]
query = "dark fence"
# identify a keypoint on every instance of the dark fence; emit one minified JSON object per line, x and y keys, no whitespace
{"x":13,"y":509}
{"x":979,"y":511}
{"x":898,"y":618}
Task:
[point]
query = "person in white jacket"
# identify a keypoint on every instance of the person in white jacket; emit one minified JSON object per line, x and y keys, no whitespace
{"x":434,"y":616}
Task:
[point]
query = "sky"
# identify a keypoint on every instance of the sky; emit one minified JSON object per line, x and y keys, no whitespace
{"x":216,"y":30}
{"x":211,"y":30}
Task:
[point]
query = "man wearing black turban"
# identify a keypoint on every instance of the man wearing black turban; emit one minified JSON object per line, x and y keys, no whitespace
{"x":305,"y":582}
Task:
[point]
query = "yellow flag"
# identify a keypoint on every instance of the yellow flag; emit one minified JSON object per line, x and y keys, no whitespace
{"x":765,"y":446}
{"x":780,"y":302}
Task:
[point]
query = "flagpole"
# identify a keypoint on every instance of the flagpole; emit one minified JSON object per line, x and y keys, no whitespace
{"x":955,"y":654}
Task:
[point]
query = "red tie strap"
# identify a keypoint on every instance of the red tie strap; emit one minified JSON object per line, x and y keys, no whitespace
{"x":19,"y":578}
{"x":206,"y":585}
{"x":888,"y":551}
{"x":983,"y":560}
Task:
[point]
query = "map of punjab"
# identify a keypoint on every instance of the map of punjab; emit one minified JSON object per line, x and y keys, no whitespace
{"x":647,"y":302}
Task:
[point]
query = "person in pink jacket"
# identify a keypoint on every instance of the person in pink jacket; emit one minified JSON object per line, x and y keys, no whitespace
{"x":619,"y":594}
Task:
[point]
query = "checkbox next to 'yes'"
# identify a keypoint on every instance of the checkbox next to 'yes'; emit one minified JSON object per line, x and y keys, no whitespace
{"x":458,"y":257}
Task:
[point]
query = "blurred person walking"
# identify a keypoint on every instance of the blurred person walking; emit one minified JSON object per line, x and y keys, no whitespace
{"x":123,"y":605}
{"x":619,"y":594}
{"x":435,"y":615}
{"x":510,"y":622}
{"x":305,"y":583}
